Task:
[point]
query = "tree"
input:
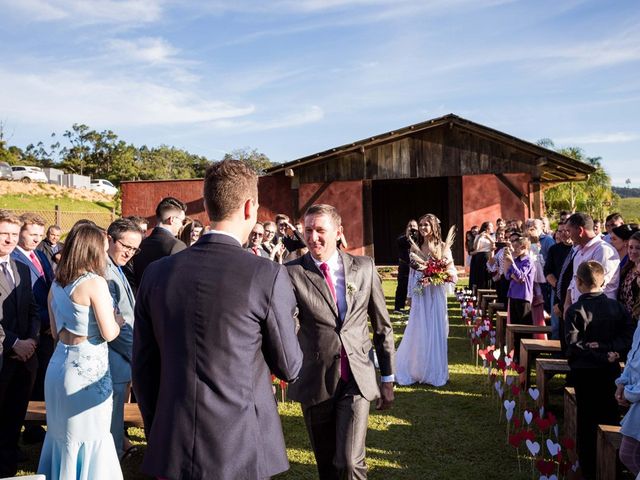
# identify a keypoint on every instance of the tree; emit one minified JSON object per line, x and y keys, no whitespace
{"x":256,"y":160}
{"x":627,"y":182}
{"x":593,"y":196}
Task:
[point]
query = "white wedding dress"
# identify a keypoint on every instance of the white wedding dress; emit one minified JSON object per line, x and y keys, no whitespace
{"x":422,"y":354}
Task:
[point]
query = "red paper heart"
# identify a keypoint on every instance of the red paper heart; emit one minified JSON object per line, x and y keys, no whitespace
{"x":545,"y":467}
{"x":528,"y":435}
{"x":515,"y":390}
{"x":515,"y":439}
{"x":568,"y":443}
{"x":516,"y":422}
{"x":552,"y":419}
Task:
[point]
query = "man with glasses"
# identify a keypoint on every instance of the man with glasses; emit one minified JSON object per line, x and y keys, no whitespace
{"x":255,"y":241}
{"x":162,"y":241}
{"x":124,"y":239}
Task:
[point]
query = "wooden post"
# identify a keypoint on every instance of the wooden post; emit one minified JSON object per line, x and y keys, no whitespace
{"x":367,"y":220}
{"x":58,"y":215}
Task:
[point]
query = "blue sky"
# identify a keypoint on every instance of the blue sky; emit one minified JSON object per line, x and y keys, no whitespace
{"x":294,"y":77}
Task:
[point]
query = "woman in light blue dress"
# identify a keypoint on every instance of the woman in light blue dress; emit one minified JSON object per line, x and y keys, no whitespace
{"x":78,"y":389}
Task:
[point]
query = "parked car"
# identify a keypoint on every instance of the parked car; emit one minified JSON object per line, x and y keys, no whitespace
{"x":104,"y":186}
{"x":5,"y":171}
{"x":28,"y":174}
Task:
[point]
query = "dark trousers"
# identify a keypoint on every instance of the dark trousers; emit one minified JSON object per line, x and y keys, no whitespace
{"x":44,"y":351}
{"x":16,"y":383}
{"x":338,"y":429}
{"x":401,"y":288}
{"x":520,"y":312}
{"x":596,"y":403}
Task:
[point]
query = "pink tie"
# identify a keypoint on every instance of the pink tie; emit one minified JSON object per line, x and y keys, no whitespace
{"x":36,"y":262}
{"x":255,"y":251}
{"x":344,"y":362}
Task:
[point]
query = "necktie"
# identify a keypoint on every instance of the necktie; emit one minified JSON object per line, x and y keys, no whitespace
{"x":255,"y":250}
{"x":7,"y":274}
{"x":568,"y":261}
{"x":344,"y":362}
{"x":36,"y":262}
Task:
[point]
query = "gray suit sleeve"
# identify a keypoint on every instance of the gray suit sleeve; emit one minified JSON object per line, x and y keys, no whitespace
{"x":382,"y":331}
{"x":280,"y":345}
{"x":123,"y":343}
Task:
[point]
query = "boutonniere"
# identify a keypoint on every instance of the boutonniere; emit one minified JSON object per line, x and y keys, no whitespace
{"x":351,"y":288}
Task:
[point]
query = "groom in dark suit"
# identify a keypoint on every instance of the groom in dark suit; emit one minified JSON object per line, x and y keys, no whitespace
{"x":337,"y":293}
{"x":211,"y":323}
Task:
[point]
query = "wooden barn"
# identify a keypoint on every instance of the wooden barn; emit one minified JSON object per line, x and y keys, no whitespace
{"x":463,"y":172}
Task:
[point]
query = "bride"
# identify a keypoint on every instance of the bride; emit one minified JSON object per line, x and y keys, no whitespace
{"x":422,"y":354}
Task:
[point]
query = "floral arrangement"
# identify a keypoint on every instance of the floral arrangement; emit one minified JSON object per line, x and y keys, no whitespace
{"x":432,"y":266}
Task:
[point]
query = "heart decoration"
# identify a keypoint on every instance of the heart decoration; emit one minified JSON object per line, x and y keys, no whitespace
{"x":515,"y":390}
{"x":500,"y":392}
{"x":534,"y":393}
{"x":497,"y":385}
{"x":555,"y":430}
{"x":541,"y":410}
{"x":496,"y":354}
{"x":509,"y":404}
{"x":552,"y":477}
{"x":509,"y":380}
{"x":534,"y":447}
{"x":508,"y":361}
{"x":553,"y":447}
{"x":545,"y":467}
{"x":575,"y":466}
{"x":528,"y":416}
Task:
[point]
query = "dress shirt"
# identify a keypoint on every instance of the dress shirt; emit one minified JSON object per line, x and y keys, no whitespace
{"x":222,"y":232}
{"x":27,"y":253}
{"x":483,"y":244}
{"x":599,"y":250}
{"x":336,"y":270}
{"x":7,"y":260}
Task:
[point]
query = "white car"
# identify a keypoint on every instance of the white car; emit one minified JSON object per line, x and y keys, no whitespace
{"x":26,"y":174}
{"x":104,"y":186}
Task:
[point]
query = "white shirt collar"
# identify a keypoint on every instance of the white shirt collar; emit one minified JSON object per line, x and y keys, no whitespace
{"x":24,"y":252}
{"x":228,"y":234}
{"x":333,"y":261}
{"x":6,"y":258}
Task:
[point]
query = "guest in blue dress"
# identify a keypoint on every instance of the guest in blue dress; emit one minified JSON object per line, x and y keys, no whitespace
{"x":78,"y":388}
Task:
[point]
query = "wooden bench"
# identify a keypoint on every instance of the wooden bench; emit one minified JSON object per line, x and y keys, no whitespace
{"x":608,"y":466}
{"x":546,"y":368}
{"x":529,"y":350}
{"x":515,"y":331}
{"x":37,"y":413}
{"x":501,"y":328}
{"x":570,"y":426}
{"x":486,"y":301}
{"x":481,"y":292}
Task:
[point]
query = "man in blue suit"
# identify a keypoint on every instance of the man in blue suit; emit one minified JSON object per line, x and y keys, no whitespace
{"x":31,"y":235}
{"x":124,"y":242}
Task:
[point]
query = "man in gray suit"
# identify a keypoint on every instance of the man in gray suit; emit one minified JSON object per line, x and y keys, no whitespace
{"x":124,"y":239}
{"x":336,"y":292}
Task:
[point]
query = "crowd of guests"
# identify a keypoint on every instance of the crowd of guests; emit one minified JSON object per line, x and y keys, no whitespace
{"x":585,"y":283}
{"x":66,"y":327}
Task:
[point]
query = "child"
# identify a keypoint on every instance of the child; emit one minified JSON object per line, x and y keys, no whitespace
{"x":520,"y":273}
{"x":596,"y":327}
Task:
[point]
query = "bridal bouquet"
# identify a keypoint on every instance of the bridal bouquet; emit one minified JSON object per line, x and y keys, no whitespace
{"x":432,"y":267}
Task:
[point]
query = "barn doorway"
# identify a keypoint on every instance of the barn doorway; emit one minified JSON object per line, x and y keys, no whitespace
{"x":395,"y":202}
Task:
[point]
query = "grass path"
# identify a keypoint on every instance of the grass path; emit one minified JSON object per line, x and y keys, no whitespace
{"x":450,"y":432}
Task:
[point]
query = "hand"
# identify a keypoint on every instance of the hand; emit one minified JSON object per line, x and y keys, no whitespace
{"x":592,"y":345}
{"x":613,"y":357}
{"x":385,"y":402}
{"x":120,"y":320}
{"x":556,"y":310}
{"x":24,"y":349}
{"x":623,"y":402}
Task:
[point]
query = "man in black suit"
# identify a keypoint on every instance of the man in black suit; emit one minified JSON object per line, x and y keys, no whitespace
{"x":162,"y":241}
{"x":21,"y":325}
{"x":338,"y":296}
{"x":211,"y":323}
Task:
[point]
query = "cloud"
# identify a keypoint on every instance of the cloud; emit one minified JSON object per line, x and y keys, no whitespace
{"x":152,"y":50}
{"x":86,"y":12}
{"x":63,"y":97}
{"x":311,"y":114}
{"x":616,"y":137}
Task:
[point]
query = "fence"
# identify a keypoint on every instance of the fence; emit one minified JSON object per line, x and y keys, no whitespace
{"x":66,"y":219}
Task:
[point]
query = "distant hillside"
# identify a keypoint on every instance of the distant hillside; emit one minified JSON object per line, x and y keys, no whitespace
{"x":43,"y":196}
{"x":625,"y":192}
{"x":630,"y":209}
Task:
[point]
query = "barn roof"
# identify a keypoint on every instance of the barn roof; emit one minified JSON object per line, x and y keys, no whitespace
{"x":554,"y":166}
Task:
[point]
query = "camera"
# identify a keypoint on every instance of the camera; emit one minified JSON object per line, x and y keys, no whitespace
{"x":413,"y":233}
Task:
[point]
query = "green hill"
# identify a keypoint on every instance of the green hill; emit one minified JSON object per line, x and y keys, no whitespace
{"x":630,"y":209}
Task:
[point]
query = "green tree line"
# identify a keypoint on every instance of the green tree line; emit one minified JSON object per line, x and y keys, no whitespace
{"x":86,"y":151}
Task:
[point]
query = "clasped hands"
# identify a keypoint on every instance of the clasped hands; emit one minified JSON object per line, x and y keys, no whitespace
{"x":23,"y":350}
{"x":385,"y":402}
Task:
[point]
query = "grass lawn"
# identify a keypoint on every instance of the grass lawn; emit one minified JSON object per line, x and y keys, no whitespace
{"x":35,"y":202}
{"x":630,"y":209}
{"x":451,"y":432}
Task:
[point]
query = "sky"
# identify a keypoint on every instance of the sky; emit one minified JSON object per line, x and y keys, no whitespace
{"x":295,"y":77}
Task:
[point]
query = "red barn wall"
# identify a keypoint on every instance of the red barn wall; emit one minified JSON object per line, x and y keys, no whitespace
{"x":485,"y":198}
{"x":275,"y":196}
{"x":347,"y":198}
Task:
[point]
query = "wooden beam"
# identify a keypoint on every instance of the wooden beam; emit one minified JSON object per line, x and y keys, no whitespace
{"x":513,"y":189}
{"x":367,"y":220}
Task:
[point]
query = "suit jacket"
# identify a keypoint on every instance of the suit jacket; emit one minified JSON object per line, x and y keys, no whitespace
{"x":45,"y":247}
{"x":120,"y":348}
{"x":321,"y":336}
{"x":160,"y":243}
{"x":211,"y":323}
{"x":19,"y":311}
{"x":40,"y":285}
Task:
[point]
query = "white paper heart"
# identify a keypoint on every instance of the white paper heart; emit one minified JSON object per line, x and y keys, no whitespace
{"x":534,"y":447}
{"x":552,"y":477}
{"x":496,"y":354}
{"x":504,"y":349}
{"x":509,"y":414}
{"x":555,"y":430}
{"x":501,"y":392}
{"x":509,"y":404}
{"x":497,"y":385}
{"x":508,"y":361}
{"x":553,"y":447}
{"x":575,"y":466}
{"x":528,"y":416}
{"x":534,"y":393}
{"x":509,"y":380}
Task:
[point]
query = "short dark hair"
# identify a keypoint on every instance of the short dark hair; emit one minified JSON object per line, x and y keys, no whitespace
{"x":138,"y":220}
{"x":324,"y":209}
{"x":227,"y":184}
{"x":281,"y":216}
{"x":121,"y":226}
{"x":30,"y":218}
{"x":591,"y":273}
{"x":580,"y":219}
{"x":168,"y":204}
{"x":614,"y":217}
{"x":54,"y":227}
